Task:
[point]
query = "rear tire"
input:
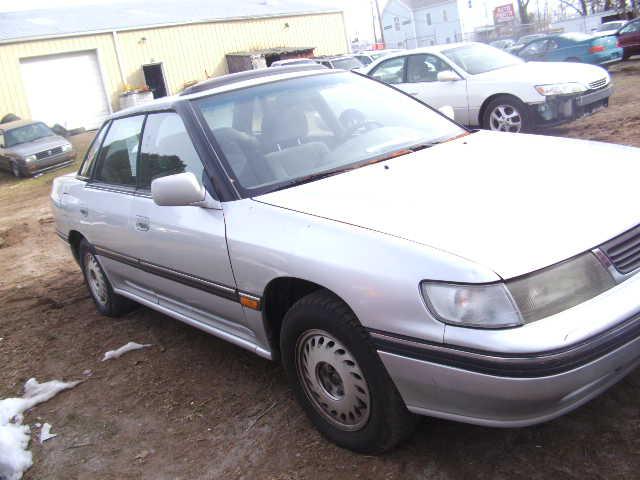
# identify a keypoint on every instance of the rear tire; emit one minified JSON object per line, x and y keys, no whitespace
{"x":106,"y":300}
{"x":338,"y":377}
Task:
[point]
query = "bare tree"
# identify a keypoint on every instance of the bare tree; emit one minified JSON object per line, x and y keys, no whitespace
{"x":522,"y":10}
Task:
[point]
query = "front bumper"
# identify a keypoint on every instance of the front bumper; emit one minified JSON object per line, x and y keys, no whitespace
{"x":56,"y":161}
{"x":584,"y":352}
{"x":557,"y":110}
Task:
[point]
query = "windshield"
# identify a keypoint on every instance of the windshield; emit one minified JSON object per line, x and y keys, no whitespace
{"x":279,"y":134}
{"x":480,"y":58}
{"x":26,"y":134}
{"x":347,"y":63}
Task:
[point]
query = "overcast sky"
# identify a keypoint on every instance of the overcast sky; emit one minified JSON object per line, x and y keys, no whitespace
{"x":357,"y":12}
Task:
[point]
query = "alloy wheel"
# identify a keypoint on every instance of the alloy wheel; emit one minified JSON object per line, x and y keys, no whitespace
{"x":96,"y":279}
{"x":505,"y":118}
{"x":333,"y":380}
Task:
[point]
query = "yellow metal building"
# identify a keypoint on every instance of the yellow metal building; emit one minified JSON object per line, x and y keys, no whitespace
{"x":75,"y":78}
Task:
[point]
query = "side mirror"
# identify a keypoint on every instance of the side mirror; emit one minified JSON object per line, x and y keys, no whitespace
{"x":447,"y":111}
{"x":181,"y":190}
{"x":448,"y":76}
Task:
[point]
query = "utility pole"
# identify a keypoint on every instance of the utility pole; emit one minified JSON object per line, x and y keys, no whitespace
{"x":373,"y":23}
{"x":380,"y":24}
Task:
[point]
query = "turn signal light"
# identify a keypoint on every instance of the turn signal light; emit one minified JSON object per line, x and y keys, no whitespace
{"x":596,"y":49}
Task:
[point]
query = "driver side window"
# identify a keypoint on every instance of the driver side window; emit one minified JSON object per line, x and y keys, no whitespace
{"x":534,"y":48}
{"x":390,"y":71}
{"x":424,"y":68}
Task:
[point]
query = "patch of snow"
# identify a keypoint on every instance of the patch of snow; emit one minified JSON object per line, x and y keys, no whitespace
{"x":15,"y":458}
{"x":45,"y":433}
{"x":124,"y":349}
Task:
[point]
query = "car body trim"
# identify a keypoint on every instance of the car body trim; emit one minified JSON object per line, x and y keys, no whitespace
{"x":224,"y":291}
{"x":535,"y":364}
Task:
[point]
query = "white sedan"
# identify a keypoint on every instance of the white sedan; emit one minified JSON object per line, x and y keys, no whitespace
{"x":493,"y":89}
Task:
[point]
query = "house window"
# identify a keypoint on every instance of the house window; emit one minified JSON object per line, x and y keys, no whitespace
{"x":428,"y":19}
{"x":444,"y":15}
{"x":396,"y":23}
{"x":448,"y":40}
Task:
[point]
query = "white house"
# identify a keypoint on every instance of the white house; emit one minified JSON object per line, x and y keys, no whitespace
{"x":419,"y":23}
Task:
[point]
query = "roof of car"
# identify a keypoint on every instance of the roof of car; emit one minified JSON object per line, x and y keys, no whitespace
{"x":16,"y":124}
{"x":227,"y":83}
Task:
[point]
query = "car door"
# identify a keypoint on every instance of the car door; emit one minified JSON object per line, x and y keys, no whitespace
{"x":102,"y":207}
{"x":629,"y":35}
{"x":182,"y":249}
{"x":4,"y":159}
{"x":421,"y":81}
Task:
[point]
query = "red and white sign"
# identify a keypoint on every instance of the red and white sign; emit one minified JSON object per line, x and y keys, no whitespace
{"x":504,"y":14}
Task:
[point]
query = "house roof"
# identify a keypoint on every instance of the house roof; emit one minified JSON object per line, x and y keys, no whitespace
{"x":134,"y":14}
{"x":416,"y":4}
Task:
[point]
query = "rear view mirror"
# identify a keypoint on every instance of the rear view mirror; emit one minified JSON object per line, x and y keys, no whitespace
{"x":447,"y":110}
{"x":448,"y":76}
{"x":177,"y":190}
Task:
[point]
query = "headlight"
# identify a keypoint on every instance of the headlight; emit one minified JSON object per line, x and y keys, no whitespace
{"x":523,"y":300}
{"x":561,"y":88}
{"x":67,"y":147}
{"x":30,"y":158}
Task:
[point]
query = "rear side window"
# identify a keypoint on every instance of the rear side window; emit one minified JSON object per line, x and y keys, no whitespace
{"x":92,"y":153}
{"x":390,"y":71}
{"x":119,"y":153}
{"x":166,"y":150}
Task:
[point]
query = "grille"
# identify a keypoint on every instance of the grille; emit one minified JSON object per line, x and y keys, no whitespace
{"x":48,"y":153}
{"x":624,"y":250}
{"x":598,"y":83}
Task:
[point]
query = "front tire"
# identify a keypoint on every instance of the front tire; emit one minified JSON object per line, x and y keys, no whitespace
{"x":15,"y":170}
{"x":106,"y":300}
{"x":507,"y":114}
{"x":338,"y":377}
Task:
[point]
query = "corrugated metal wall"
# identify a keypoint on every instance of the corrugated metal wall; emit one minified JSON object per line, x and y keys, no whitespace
{"x":188,"y":52}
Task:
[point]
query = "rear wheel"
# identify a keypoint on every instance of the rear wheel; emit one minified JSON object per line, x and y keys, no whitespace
{"x":106,"y":300}
{"x":506,"y":114}
{"x":338,"y":377}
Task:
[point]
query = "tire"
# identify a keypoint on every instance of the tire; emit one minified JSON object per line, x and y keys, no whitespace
{"x":626,"y":54}
{"x":517,"y":117}
{"x":107,"y":302}
{"x":15,"y":170}
{"x":318,"y":330}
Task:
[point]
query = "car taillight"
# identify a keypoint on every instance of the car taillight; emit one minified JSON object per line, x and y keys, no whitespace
{"x":596,"y":49}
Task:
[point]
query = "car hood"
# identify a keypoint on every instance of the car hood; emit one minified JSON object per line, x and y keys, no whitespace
{"x":514,"y":203}
{"x":542,"y":73}
{"x":39,"y":145}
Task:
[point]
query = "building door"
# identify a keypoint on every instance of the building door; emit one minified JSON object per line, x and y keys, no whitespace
{"x":155,"y":80}
{"x":66,"y":89}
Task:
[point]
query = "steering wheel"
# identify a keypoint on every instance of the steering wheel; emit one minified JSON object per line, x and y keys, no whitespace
{"x":355,"y":123}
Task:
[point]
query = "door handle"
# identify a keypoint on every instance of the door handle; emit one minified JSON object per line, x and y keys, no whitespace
{"x":142,"y":223}
{"x":84,"y":211}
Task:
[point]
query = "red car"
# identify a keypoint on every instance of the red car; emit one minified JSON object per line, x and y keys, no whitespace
{"x":629,"y":39}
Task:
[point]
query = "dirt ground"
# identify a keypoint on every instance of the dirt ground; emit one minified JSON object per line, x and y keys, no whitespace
{"x":195,"y":407}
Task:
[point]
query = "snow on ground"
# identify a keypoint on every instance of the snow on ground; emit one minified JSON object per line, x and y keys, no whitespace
{"x":45,"y":433}
{"x":15,"y":457}
{"x":124,"y":349}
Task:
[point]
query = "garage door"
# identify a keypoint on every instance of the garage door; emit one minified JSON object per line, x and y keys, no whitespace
{"x":66,"y":89}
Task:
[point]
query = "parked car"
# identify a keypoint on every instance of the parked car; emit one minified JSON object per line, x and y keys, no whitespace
{"x":491,"y":88}
{"x":368,"y":56}
{"x":522,"y":41}
{"x":394,"y":261}
{"x":293,"y":61}
{"x":344,"y":62}
{"x":504,"y":44}
{"x":608,"y":28}
{"x":573,"y":47}
{"x":629,"y":39}
{"x":28,"y":147}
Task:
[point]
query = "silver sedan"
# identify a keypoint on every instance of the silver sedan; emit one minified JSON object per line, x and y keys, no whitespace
{"x":395,"y":262}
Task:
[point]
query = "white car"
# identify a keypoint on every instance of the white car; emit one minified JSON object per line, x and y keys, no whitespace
{"x":493,"y":89}
{"x":608,"y":28}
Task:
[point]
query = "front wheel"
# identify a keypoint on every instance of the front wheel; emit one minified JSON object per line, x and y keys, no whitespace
{"x":338,"y":378}
{"x":15,"y":170}
{"x":506,"y":114}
